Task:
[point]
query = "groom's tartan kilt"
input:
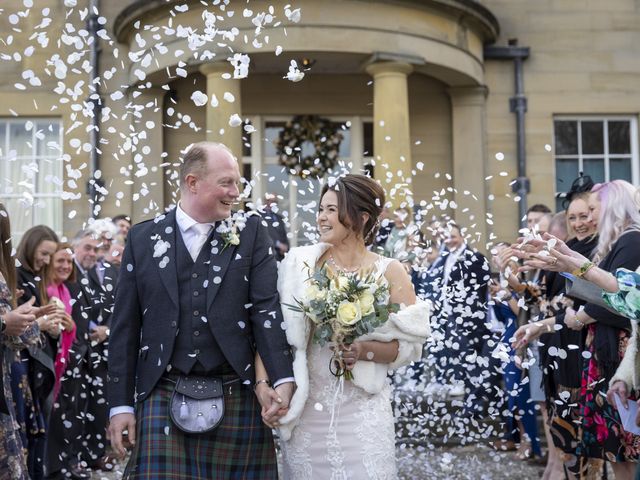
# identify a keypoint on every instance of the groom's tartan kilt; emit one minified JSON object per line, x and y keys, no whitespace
{"x":240,"y":448}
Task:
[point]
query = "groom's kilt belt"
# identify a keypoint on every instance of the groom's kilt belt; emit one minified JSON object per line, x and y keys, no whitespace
{"x":240,"y":447}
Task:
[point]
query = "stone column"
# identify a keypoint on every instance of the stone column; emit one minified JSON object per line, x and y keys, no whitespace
{"x":391,"y":140}
{"x":219,"y":113}
{"x":470,"y":160}
{"x":146,"y":151}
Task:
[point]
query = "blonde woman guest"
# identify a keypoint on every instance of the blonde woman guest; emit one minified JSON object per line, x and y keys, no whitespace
{"x":601,"y":434}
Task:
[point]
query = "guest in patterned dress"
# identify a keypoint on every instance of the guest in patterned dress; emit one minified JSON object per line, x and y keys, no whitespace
{"x":18,"y":329}
{"x":600,"y":432}
{"x":32,"y":375}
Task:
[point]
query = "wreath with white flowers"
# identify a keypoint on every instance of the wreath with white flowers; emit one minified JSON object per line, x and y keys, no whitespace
{"x":324,"y":136}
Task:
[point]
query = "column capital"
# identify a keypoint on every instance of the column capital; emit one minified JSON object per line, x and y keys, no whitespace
{"x":473,"y":95}
{"x":215,"y":68}
{"x":383,"y":68}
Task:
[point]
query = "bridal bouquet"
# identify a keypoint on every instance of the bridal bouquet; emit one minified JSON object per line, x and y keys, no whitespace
{"x":343,"y":307}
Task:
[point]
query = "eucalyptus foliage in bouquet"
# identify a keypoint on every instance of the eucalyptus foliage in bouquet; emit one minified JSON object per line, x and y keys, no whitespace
{"x":342,"y":308}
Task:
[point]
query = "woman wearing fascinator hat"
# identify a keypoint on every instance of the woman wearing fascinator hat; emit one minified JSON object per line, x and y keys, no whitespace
{"x":614,"y":207}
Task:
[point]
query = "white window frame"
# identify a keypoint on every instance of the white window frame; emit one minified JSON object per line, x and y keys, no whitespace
{"x":633,"y":134}
{"x":55,"y":223}
{"x":258,"y":161}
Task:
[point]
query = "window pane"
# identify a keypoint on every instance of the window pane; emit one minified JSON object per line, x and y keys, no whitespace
{"x":620,"y":169}
{"x":367,"y":130}
{"x":345,"y":144}
{"x":16,"y":171}
{"x":308,"y":194}
{"x":594,"y":167}
{"x":246,"y":141}
{"x":619,"y":138}
{"x":20,"y":140}
{"x":276,"y":182}
{"x":48,"y":139}
{"x":566,"y":173}
{"x":20,"y":216}
{"x":566,"y":137}
{"x":592,"y":138}
{"x":271,"y":132}
{"x":3,"y":136}
{"x":48,"y":211}
{"x":49,"y":175}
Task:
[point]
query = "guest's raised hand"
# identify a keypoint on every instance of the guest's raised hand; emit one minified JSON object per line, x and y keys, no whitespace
{"x":48,"y":309}
{"x":99,"y":334}
{"x":66,"y":322}
{"x":49,"y":324}
{"x":526,"y":334}
{"x":620,"y":388}
{"x":17,"y":321}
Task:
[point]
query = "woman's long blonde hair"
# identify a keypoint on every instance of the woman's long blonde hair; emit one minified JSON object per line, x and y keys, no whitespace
{"x":618,"y":213}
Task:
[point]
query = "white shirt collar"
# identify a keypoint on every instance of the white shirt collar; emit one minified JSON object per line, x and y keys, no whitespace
{"x":457,"y":252}
{"x":185,"y":222}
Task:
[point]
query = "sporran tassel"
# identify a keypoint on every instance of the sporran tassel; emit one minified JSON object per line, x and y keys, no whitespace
{"x":184,"y":410}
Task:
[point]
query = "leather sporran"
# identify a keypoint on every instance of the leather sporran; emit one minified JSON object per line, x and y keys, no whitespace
{"x":197,"y":404}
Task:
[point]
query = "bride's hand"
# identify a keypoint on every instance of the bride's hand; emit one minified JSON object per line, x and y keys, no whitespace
{"x":351,"y":354}
{"x":268,"y":399}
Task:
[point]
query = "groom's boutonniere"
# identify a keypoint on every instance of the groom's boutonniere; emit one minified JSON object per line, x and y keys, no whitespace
{"x":230,"y":237}
{"x":231,"y":228}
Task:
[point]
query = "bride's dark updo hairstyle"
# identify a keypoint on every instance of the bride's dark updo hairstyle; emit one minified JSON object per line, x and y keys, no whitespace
{"x":358,"y":194}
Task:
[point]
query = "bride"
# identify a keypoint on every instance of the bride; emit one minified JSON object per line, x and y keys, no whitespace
{"x":338,"y":428}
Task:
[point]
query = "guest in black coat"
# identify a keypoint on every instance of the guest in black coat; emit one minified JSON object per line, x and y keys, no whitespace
{"x":33,"y":377}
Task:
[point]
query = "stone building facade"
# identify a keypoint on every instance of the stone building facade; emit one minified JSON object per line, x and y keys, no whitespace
{"x":409,"y":82}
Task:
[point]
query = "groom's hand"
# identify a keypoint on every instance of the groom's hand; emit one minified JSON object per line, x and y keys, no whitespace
{"x":280,"y":398}
{"x":118,"y":424}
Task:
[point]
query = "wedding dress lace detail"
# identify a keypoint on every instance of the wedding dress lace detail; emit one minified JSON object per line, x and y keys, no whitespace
{"x":344,"y":432}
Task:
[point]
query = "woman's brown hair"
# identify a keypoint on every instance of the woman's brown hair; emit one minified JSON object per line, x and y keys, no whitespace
{"x":358,"y":194}
{"x":29,"y":244}
{"x":48,"y":269}
{"x":27,"y":247}
{"x":7,"y":262}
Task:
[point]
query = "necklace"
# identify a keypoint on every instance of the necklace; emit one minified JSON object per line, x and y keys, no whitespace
{"x":346,"y":271}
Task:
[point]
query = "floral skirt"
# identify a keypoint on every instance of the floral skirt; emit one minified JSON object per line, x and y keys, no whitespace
{"x":601,"y":433}
{"x":29,"y":413}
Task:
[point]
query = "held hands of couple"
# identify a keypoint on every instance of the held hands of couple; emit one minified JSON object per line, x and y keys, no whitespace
{"x":274,"y":401}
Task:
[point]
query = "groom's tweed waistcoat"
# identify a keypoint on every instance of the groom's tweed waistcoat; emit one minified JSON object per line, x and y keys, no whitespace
{"x":196,"y":350}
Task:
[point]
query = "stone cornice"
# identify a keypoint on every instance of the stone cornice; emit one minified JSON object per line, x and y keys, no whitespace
{"x":471,"y":11}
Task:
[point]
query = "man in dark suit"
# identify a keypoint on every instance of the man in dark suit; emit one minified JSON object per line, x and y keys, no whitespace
{"x":197,"y":299}
{"x":98,"y":297}
{"x":462,"y":305}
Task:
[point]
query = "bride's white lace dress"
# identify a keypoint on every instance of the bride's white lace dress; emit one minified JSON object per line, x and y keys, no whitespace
{"x":343,"y":432}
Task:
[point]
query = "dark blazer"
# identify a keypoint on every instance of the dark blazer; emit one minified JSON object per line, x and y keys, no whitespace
{"x":467,"y":287}
{"x":243,"y":308}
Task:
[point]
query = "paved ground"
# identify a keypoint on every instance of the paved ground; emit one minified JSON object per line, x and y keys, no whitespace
{"x":451,"y":463}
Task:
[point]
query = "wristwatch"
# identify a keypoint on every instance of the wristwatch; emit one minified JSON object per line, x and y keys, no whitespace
{"x":3,"y":325}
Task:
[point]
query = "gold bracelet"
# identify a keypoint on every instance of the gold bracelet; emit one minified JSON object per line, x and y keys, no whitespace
{"x":584,"y":268}
{"x":263,"y":380}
